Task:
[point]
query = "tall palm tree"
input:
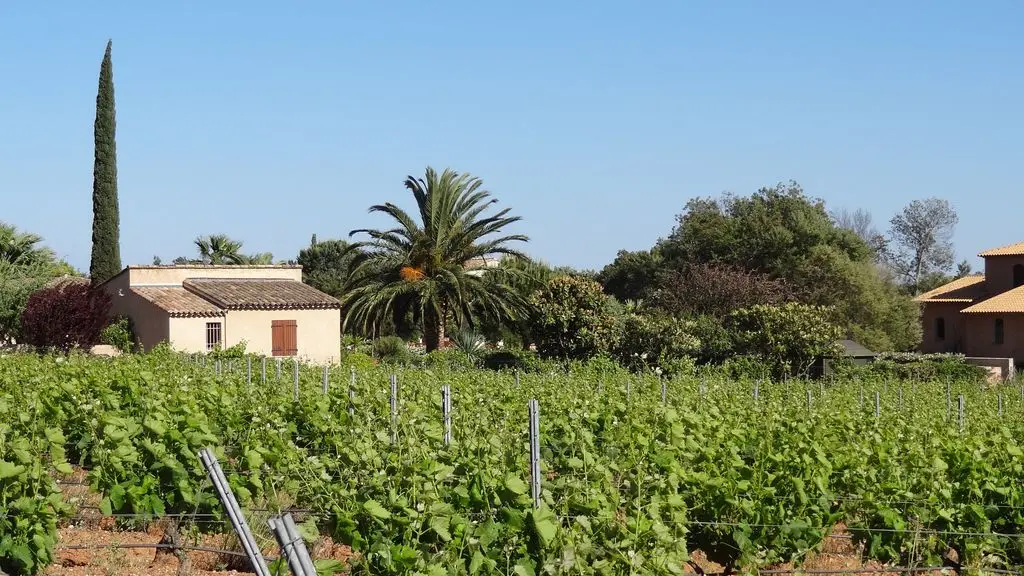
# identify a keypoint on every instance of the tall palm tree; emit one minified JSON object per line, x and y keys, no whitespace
{"x":418,"y":268}
{"x":218,"y":249}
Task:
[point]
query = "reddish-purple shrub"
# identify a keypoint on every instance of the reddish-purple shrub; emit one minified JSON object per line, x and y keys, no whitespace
{"x":65,"y":316}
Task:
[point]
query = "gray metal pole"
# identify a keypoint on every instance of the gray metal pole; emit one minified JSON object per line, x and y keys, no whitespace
{"x":664,"y":390}
{"x":961,"y":404}
{"x":533,"y":409}
{"x":446,"y":412}
{"x":288,"y":546}
{"x":300,"y":545}
{"x":263,"y":369}
{"x":235,"y":515}
{"x":248,"y":371}
{"x":809,"y":400}
{"x":394,"y":409}
{"x":324,"y":384}
{"x":757,"y":392}
{"x":878,"y":404}
{"x":352,"y":394}
{"x":295,"y":380}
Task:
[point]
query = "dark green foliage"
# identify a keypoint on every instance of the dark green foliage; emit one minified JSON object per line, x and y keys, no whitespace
{"x":649,"y":342}
{"x":391,"y":350}
{"x":120,"y":334}
{"x":572,"y":319}
{"x":779,"y":234}
{"x":327,"y":265}
{"x":106,"y":219}
{"x":508,"y":359}
{"x":631,"y":275}
{"x":716,"y":343}
{"x":789,"y":338}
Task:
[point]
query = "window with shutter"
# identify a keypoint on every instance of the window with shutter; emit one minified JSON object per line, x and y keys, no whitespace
{"x":283,"y":338}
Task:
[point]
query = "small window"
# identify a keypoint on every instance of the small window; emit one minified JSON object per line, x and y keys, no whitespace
{"x":999,"y":331}
{"x":1018,"y":275}
{"x":212,"y":335}
{"x":940,"y":328}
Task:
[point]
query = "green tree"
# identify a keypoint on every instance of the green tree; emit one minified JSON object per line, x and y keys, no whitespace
{"x":781,"y":234}
{"x":106,"y":220}
{"x":631,"y":275}
{"x":327,"y":265}
{"x":572,"y":319}
{"x":921,"y":240}
{"x":788,"y":338}
{"x":418,"y":267}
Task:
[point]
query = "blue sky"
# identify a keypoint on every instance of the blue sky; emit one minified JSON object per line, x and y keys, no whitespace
{"x":595,"y":121}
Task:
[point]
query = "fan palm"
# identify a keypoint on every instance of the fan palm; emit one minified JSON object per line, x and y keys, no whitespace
{"x":418,"y":268}
{"x":22,"y":247}
{"x":218,"y":249}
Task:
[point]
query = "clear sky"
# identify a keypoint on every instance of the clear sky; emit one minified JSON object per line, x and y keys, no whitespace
{"x":595,"y":121}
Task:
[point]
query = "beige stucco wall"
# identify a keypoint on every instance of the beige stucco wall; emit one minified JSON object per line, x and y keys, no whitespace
{"x":317,"y":332}
{"x":166,"y":275}
{"x":189,"y":334}
{"x":150,"y":323}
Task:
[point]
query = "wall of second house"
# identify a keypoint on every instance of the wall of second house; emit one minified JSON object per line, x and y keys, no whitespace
{"x":956,"y":329}
{"x":981,"y":336}
{"x":189,"y":334}
{"x":317,"y":332}
{"x":149,"y":322}
{"x":999,"y":272}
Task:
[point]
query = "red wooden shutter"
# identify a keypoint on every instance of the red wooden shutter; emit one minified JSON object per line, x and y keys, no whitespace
{"x":283,"y":338}
{"x":291,"y":338}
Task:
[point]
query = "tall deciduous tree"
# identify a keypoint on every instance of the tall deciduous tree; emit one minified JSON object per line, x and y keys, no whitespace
{"x":418,"y":267}
{"x":921,"y":240}
{"x":106,"y":243}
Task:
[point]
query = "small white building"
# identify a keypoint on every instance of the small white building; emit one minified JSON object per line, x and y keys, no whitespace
{"x":196,"y":308}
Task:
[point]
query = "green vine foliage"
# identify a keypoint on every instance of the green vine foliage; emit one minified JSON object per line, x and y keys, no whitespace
{"x":629,"y":484}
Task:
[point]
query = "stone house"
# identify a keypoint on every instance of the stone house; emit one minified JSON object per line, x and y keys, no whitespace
{"x":981,"y":315}
{"x":197,"y":308}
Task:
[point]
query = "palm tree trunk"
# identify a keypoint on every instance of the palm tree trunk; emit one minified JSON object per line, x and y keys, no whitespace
{"x":433,"y":330}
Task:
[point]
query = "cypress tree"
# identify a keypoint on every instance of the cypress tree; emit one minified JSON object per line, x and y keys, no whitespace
{"x":106,"y":249}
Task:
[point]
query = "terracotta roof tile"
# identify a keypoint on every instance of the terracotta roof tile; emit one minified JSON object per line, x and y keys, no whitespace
{"x":260,"y":294}
{"x":1009,"y":302}
{"x":966,"y":289}
{"x":177,"y":301}
{"x":1016,"y":249}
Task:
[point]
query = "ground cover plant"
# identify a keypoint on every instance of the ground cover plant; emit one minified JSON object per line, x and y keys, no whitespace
{"x":752,"y":474}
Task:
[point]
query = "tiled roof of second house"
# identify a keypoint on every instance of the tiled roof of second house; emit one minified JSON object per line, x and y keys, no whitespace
{"x":966,"y":289}
{"x":260,"y":294}
{"x":1009,"y":302}
{"x":1016,"y":249}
